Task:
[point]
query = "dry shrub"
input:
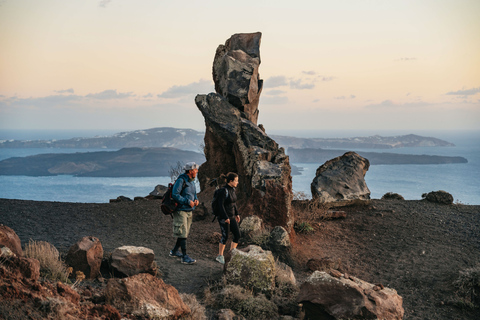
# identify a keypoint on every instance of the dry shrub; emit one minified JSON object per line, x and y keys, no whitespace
{"x":468,"y":284}
{"x":241,"y":301}
{"x":307,"y":212}
{"x":51,"y":266}
{"x":197,"y":310}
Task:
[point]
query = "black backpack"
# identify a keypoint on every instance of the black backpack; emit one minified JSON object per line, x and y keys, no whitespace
{"x":215,"y":202}
{"x":169,"y":205}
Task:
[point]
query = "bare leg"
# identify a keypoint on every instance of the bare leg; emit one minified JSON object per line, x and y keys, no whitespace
{"x":233,"y":245}
{"x":221,"y":248}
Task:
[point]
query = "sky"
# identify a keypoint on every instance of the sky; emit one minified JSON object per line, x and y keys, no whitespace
{"x":329,"y":65}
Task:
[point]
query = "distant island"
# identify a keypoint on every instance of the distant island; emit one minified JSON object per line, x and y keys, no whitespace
{"x":311,"y":155}
{"x":372,"y":142}
{"x":189,"y":139}
{"x":126,"y":162}
{"x":153,"y":152}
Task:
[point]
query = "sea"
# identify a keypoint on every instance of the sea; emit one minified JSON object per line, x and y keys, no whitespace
{"x":411,"y":181}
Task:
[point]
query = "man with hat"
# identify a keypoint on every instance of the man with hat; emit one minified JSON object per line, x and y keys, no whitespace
{"x":184,"y":193}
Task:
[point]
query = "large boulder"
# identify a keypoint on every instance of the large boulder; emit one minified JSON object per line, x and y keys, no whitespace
{"x":234,"y":142}
{"x":86,"y":255}
{"x":252,"y":268}
{"x":130,"y":260}
{"x":235,"y":72}
{"x":145,"y":296}
{"x":8,"y":238}
{"x":341,"y":180}
{"x":327,"y":297}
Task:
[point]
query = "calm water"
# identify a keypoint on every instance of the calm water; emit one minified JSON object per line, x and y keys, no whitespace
{"x":411,"y":181}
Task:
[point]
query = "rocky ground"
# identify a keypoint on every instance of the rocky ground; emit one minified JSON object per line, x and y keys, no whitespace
{"x":415,"y":247}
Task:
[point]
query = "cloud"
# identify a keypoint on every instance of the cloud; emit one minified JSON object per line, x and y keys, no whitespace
{"x":466,"y":92}
{"x":389,"y":104}
{"x":48,"y":101}
{"x":202,"y":86}
{"x":310,"y":73}
{"x":327,"y":78}
{"x":274,"y":100}
{"x":346,"y":97}
{"x":406,"y":59}
{"x":276,"y":81}
{"x":299,"y":84}
{"x":109,"y":94}
{"x":65,"y":91}
{"x":274,"y":92}
{"x":104,"y":3}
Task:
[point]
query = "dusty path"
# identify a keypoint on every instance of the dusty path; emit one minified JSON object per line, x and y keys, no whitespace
{"x":137,"y":223}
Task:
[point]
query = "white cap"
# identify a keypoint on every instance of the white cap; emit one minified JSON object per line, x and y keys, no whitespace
{"x":191,"y":166}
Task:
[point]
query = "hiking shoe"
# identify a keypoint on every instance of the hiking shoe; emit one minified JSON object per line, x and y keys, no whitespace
{"x":187,"y":260}
{"x":220,"y":259}
{"x":176,"y":254}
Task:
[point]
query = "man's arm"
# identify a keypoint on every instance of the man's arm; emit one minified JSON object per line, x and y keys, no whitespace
{"x":177,"y":192}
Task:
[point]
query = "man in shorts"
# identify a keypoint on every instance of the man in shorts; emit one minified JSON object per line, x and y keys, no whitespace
{"x":184,"y":193}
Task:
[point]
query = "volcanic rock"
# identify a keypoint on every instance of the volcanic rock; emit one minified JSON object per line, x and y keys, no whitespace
{"x":440,"y":196}
{"x":280,"y":245}
{"x":234,"y":142}
{"x":8,"y":238}
{"x":146,"y":296}
{"x":327,"y":297}
{"x":251,"y":268}
{"x":392,"y":196}
{"x":341,"y":180}
{"x":235,"y":72}
{"x":250,"y":227}
{"x":130,"y":260}
{"x":86,"y":256}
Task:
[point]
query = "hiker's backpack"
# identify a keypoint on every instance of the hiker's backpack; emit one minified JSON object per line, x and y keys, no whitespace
{"x":169,"y":205}
{"x":215,"y":202}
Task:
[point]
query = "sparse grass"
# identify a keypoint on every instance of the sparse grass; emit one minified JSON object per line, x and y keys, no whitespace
{"x":197,"y":310}
{"x":303,"y":227}
{"x":468,"y":284}
{"x":51,"y":266}
{"x":307,"y":212}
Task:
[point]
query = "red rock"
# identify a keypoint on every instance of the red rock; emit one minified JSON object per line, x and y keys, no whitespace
{"x":86,"y":256}
{"x":145,"y":295}
{"x":10,"y":239}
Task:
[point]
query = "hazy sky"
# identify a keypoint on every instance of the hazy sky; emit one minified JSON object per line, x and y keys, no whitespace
{"x":351,"y":64}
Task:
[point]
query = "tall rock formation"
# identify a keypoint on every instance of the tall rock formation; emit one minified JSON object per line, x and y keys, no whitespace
{"x":234,"y":142}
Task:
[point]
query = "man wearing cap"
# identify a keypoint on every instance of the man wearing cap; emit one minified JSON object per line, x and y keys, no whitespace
{"x":184,"y":193}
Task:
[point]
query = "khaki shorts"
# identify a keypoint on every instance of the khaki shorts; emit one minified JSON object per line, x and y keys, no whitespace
{"x":182,"y":220}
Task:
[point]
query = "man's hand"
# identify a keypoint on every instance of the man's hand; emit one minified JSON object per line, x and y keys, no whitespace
{"x":237,"y":218}
{"x":227,"y":221}
{"x":194,"y":203}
